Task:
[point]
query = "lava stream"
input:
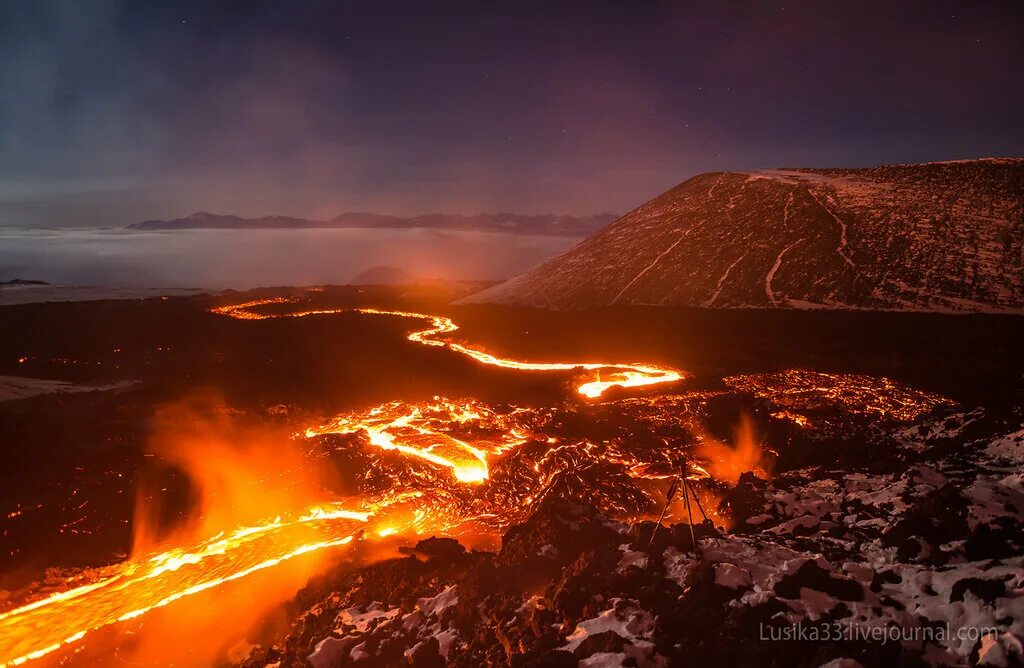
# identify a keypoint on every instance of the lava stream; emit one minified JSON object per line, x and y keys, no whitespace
{"x":626,"y":375}
{"x":139,"y":585}
{"x":419,"y":431}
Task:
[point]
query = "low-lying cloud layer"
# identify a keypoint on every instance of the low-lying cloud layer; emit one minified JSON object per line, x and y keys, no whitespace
{"x":236,"y":259}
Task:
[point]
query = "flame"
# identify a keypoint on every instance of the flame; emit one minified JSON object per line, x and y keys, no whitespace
{"x":727,"y":462}
{"x":251,"y":515}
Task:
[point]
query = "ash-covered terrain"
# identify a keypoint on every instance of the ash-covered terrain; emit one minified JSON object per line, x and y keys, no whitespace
{"x":945,"y":236}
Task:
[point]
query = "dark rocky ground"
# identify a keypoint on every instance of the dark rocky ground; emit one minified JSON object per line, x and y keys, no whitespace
{"x":846,"y":564}
{"x":866,"y":523}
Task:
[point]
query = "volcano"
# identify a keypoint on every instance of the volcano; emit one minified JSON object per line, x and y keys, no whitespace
{"x":944,"y":236}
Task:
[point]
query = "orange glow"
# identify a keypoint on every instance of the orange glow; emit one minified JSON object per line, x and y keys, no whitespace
{"x":727,"y":462}
{"x":615,"y":374}
{"x":800,"y":389}
{"x":251,"y":516}
{"x":244,"y":310}
{"x":153,"y":581}
{"x":795,"y":418}
{"x":416,"y":430}
{"x":431,"y":467}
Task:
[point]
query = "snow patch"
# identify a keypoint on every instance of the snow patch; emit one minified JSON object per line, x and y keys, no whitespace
{"x":438,"y":604}
{"x":625,"y":619}
{"x":16,"y":387}
{"x":360,"y":620}
{"x":327,"y":652}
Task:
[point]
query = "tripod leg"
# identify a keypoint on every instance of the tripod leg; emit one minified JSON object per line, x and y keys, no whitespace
{"x":699,"y":507}
{"x":689,"y":513}
{"x":664,"y":511}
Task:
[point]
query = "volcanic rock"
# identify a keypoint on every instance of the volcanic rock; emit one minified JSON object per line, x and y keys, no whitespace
{"x":943,"y":236}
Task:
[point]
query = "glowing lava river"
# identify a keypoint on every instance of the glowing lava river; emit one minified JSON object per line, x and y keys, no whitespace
{"x":457,"y":437}
{"x":455,"y":467}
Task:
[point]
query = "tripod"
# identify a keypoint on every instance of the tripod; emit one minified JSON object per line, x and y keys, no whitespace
{"x":681,"y":480}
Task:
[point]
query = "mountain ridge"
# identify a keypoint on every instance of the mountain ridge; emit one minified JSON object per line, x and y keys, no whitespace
{"x":944,"y":236}
{"x":546,"y":224}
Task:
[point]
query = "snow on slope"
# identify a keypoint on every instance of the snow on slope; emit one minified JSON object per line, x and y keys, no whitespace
{"x":13,"y":388}
{"x":937,"y":236}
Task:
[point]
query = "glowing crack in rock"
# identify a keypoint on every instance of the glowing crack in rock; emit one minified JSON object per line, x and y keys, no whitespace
{"x":800,"y":389}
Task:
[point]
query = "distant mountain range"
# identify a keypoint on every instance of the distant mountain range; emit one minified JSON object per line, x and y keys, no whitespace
{"x":945,"y":236}
{"x":547,"y":224}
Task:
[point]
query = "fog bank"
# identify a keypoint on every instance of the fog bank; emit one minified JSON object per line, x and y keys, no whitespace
{"x":243,"y":259}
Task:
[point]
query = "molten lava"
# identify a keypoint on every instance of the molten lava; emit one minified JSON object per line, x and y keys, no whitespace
{"x":144,"y":583}
{"x":418,"y":431}
{"x":615,"y":375}
{"x":800,"y":389}
{"x":137,"y":586}
{"x":446,"y":466}
{"x":608,"y":375}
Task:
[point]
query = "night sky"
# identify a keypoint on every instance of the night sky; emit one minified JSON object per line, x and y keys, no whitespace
{"x":114,"y":112}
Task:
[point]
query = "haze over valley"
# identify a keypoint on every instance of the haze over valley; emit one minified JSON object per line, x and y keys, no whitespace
{"x":217,"y":259}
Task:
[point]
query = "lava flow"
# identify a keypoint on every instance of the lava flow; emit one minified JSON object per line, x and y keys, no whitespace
{"x":607,"y":375}
{"x":453,"y":467}
{"x":615,"y":375}
{"x":419,"y":431}
{"x":137,"y":586}
{"x":142,"y":583}
{"x":456,"y":467}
